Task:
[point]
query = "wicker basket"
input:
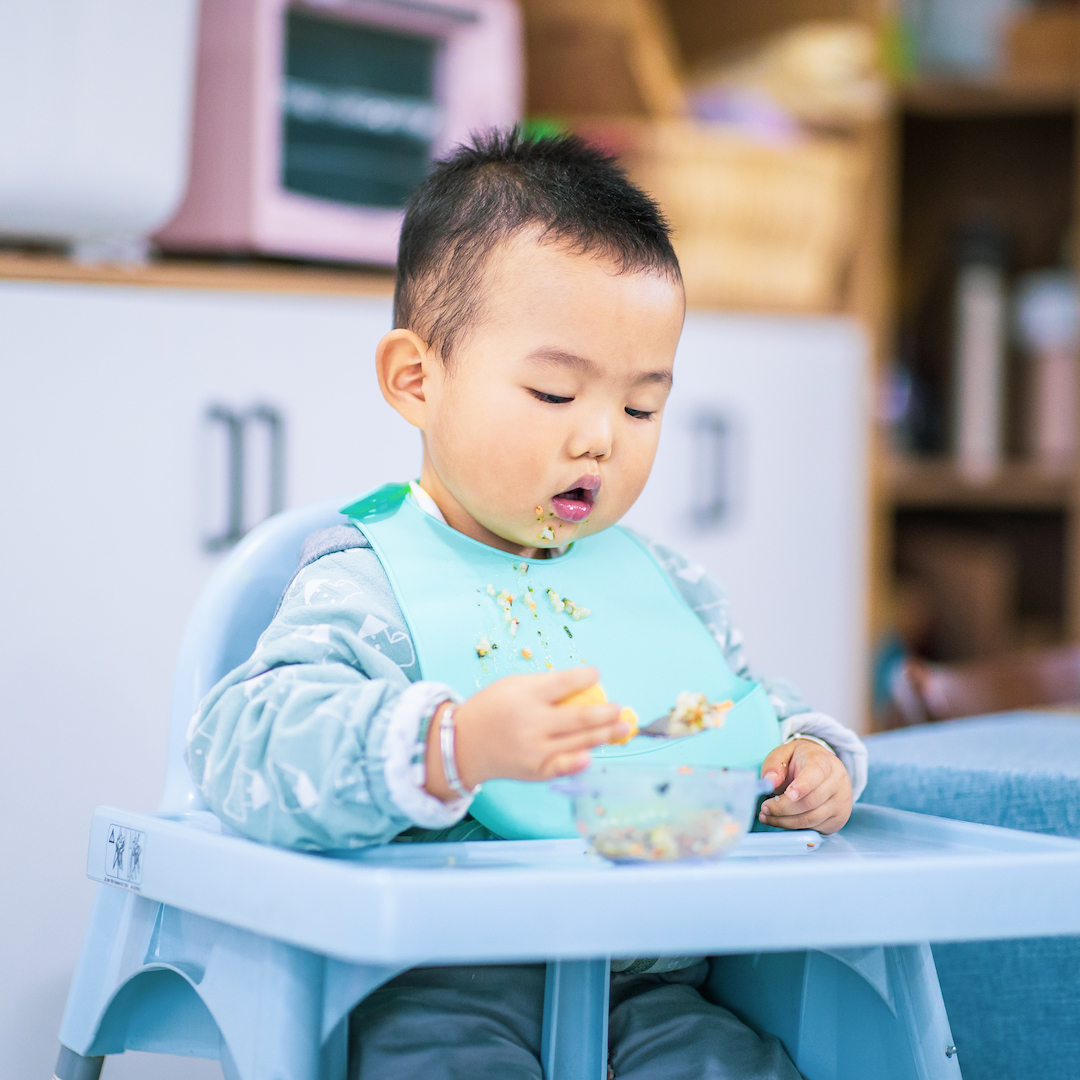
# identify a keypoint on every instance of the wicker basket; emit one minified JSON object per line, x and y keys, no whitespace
{"x":756,"y":226}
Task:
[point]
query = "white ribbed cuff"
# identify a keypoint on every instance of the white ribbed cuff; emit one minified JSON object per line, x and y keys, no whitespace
{"x":841,"y":740}
{"x":404,"y":747}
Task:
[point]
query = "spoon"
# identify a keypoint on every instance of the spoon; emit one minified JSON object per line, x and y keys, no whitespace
{"x":673,"y":724}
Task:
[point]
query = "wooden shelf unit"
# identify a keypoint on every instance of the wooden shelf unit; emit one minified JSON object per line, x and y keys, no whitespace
{"x":1007,"y":151}
{"x":897,"y":255}
{"x":938,"y":484}
{"x":940,"y":97}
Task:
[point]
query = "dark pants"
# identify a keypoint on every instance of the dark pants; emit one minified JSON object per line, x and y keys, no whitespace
{"x":475,"y":1023}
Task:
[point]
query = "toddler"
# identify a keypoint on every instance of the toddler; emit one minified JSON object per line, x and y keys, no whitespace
{"x":415,"y":672}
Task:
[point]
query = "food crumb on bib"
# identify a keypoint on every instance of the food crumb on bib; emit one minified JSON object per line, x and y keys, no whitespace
{"x":527,"y":653}
{"x":483,"y":647}
{"x":576,"y":611}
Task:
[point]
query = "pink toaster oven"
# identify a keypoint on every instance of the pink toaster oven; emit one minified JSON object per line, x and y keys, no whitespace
{"x":315,"y":119}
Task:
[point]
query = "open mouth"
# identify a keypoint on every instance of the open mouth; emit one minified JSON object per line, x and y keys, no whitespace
{"x":576,"y":503}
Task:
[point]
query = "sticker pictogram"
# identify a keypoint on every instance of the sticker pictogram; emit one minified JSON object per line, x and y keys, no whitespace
{"x":123,"y":856}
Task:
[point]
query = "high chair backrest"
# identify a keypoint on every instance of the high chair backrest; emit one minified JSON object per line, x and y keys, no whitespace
{"x":234,"y":609}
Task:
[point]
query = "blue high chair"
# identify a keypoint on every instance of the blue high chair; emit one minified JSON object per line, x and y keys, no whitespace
{"x":205,"y":944}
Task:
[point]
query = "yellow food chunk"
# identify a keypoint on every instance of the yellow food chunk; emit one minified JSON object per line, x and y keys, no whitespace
{"x":630,"y":718}
{"x":591,"y":695}
{"x":594,"y":695}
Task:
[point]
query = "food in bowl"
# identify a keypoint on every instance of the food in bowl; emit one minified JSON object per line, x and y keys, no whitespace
{"x":703,"y":835}
{"x":663,"y":813}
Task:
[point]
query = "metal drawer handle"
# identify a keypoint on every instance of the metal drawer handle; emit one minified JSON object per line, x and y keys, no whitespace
{"x":235,"y":423}
{"x":275,"y":426}
{"x":710,"y":443}
{"x":234,"y":429}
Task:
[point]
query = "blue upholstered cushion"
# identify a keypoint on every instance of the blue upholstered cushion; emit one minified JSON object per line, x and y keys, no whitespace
{"x":1018,"y":770}
{"x":1014,"y":1006}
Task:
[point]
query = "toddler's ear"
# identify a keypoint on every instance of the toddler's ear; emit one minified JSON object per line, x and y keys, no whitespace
{"x":403,"y":361}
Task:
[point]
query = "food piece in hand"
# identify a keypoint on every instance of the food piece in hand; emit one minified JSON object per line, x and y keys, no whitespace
{"x":630,"y":719}
{"x":591,"y":695}
{"x":595,"y":695}
{"x":694,"y":712}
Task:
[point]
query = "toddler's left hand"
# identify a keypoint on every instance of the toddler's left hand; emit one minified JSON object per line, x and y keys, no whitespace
{"x":813,"y":790}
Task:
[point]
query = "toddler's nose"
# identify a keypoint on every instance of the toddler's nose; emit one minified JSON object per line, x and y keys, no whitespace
{"x":592,"y":439}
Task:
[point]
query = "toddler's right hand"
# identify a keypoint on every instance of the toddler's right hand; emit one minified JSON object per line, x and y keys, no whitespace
{"x":516,"y":729}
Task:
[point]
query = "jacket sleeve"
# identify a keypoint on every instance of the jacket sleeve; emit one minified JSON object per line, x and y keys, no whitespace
{"x":709,"y":601}
{"x":317,"y":741}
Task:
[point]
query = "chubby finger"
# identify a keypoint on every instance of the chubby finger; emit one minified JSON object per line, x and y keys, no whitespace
{"x":556,"y":685}
{"x":826,"y":820}
{"x":831,"y":796}
{"x":571,"y":719}
{"x":564,"y":764}
{"x":806,"y":779}
{"x":830,"y":787}
{"x":774,"y":812}
{"x":776,"y":765}
{"x":832,"y":824}
{"x":588,"y":738}
{"x":783,"y":808}
{"x":816,"y":796}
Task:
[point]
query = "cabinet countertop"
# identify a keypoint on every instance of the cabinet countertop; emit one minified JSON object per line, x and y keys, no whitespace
{"x":231,"y":276}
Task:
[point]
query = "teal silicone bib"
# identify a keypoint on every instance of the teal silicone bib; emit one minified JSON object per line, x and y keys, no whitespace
{"x":477,"y":614}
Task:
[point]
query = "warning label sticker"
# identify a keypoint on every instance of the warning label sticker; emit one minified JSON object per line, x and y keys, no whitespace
{"x":123,"y":857}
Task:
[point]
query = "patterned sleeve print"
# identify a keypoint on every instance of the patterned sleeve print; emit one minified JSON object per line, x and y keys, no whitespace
{"x":311,"y":742}
{"x":709,"y":602}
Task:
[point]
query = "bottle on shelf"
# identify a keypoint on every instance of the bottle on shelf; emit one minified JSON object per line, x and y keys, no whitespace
{"x":1047,"y":320}
{"x":979,"y":352}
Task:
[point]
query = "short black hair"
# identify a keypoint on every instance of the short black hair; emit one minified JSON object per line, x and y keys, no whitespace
{"x":498,"y":185}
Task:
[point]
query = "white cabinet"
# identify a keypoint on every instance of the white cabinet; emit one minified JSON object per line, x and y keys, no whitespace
{"x":761,"y":477}
{"x":105,"y":468}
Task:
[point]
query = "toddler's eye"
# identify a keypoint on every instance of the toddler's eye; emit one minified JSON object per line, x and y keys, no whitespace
{"x":550,"y":399}
{"x":639,"y":414}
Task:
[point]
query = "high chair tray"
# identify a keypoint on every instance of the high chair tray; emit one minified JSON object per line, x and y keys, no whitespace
{"x":890,"y":877}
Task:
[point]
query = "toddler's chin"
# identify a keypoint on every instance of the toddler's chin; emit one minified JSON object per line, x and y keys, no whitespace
{"x":534,"y":534}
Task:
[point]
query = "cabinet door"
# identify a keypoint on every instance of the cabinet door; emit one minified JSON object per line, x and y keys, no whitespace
{"x":106,"y":464}
{"x":761,"y":478}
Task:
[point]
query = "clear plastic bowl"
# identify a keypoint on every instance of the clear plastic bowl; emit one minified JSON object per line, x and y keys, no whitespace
{"x":663,"y":813}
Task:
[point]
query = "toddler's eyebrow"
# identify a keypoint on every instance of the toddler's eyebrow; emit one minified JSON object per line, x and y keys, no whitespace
{"x":584,"y":366}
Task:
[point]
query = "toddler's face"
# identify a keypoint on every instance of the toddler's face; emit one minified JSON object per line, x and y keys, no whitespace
{"x":544,"y":426}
